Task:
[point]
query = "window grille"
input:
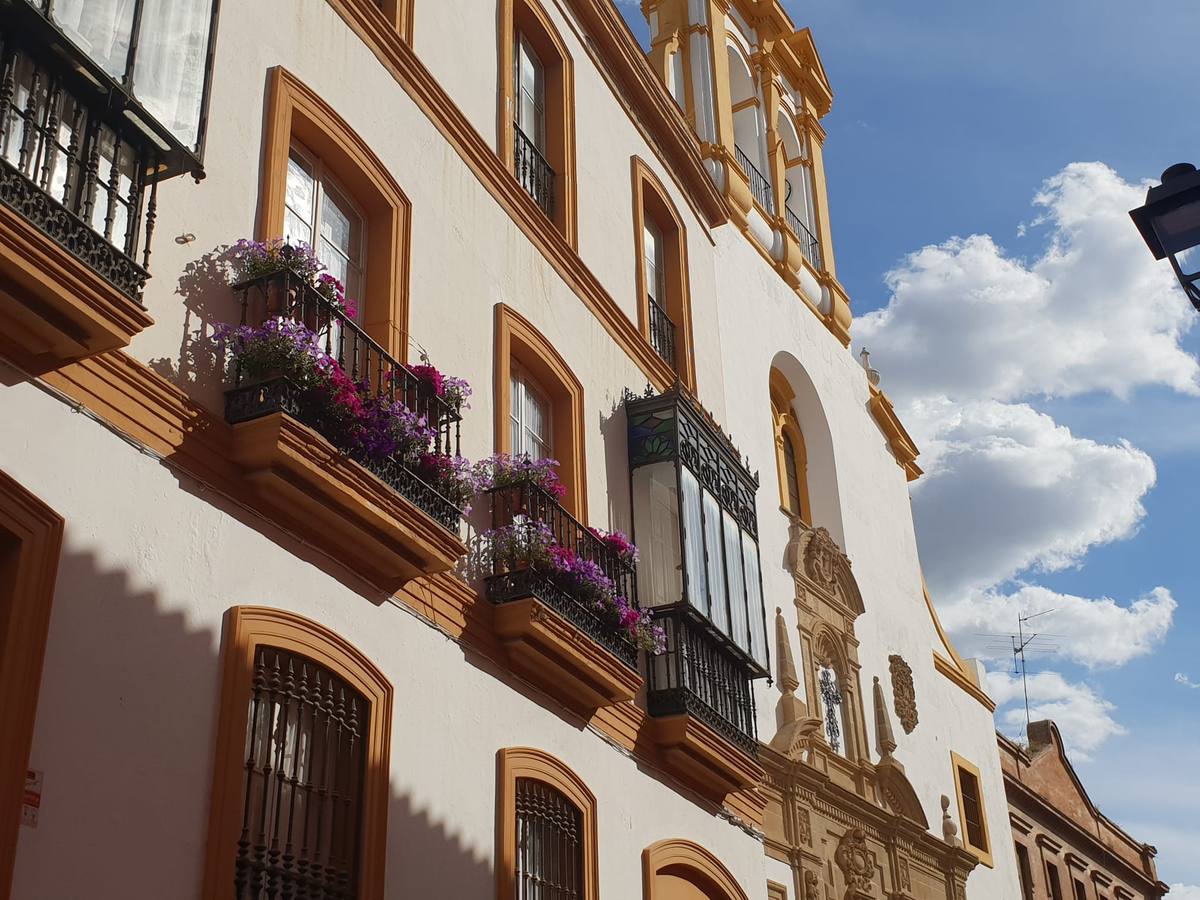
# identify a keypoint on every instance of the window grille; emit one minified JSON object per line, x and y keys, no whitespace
{"x":549,"y":843}
{"x":303,"y":784}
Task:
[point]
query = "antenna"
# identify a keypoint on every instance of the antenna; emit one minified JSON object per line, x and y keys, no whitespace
{"x":1019,"y":644}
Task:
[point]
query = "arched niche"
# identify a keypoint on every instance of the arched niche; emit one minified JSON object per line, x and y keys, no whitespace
{"x":682,"y":870}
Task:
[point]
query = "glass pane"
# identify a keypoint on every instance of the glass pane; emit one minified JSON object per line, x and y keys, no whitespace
{"x":339,"y":225}
{"x":740,"y":630}
{"x":516,"y":414}
{"x":100,"y":28}
{"x":718,"y":609}
{"x":168,"y":77}
{"x":754,"y":601}
{"x":656,"y":524}
{"x":298,"y":200}
{"x":693,"y":538}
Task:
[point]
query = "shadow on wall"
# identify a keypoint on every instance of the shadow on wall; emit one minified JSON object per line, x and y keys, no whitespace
{"x":125,"y":735}
{"x":207,"y":301}
{"x":614,"y":433}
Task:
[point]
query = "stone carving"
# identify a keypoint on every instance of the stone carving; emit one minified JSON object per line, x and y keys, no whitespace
{"x":857,"y":862}
{"x":813,"y":554}
{"x":949,"y":829}
{"x":904,"y":694}
{"x":812,"y":887}
{"x":898,"y":792}
{"x":796,"y":727}
{"x":903,"y":875}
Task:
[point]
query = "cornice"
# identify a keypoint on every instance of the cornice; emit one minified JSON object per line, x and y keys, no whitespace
{"x":901,"y":443}
{"x":955,"y":674}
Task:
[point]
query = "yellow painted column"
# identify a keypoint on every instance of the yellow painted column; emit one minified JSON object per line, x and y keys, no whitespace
{"x":815,"y":135}
{"x":767,"y":72}
{"x":722,"y":103}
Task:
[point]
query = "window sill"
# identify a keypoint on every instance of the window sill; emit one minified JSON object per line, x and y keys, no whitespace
{"x":697,"y":755}
{"x":56,"y":308}
{"x":556,"y":654}
{"x":315,"y":490}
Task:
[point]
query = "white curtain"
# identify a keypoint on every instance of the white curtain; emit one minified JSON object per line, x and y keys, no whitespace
{"x":168,"y":76}
{"x":739,"y":631}
{"x":100,"y":28}
{"x":693,"y":539}
{"x":754,"y":601}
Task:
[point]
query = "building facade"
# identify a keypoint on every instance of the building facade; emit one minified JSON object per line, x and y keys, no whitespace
{"x":1066,"y":848}
{"x":254,"y":645}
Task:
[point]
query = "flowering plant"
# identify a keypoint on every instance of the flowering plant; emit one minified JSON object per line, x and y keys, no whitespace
{"x":454,"y":391}
{"x":618,"y":543}
{"x":254,"y":259}
{"x":333,"y":291}
{"x":451,"y":476}
{"x":502,"y":470}
{"x":277,"y":347}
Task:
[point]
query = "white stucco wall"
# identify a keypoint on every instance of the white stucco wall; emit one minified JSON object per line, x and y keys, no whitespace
{"x":152,"y":560}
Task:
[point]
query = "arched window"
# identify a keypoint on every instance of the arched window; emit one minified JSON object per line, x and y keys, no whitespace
{"x":791,"y":464}
{"x":791,"y":455}
{"x":660,"y":241}
{"x":829,"y":689}
{"x":681,"y":869}
{"x":547,"y":826}
{"x":537,"y":110}
{"x":300,"y":786}
{"x":539,"y":403}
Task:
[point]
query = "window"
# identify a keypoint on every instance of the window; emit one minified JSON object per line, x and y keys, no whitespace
{"x":1054,"y":882}
{"x":791,"y":466}
{"x":303,"y":781}
{"x":791,"y":457}
{"x":303,"y":744}
{"x":971,"y":809}
{"x":319,"y":213}
{"x":660,"y":243}
{"x":529,"y":413}
{"x":1025,"y":871}
{"x":1080,"y":890}
{"x":830,"y":688}
{"x":537,"y":111}
{"x":678,"y":868}
{"x":547,"y":821}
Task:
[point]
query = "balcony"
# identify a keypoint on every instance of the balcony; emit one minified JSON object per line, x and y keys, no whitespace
{"x":553,"y":633}
{"x":532,"y":170}
{"x":760,"y":187}
{"x":82,"y":154}
{"x":374,"y":512}
{"x":700,"y":575}
{"x":809,"y":245}
{"x":662,"y":333}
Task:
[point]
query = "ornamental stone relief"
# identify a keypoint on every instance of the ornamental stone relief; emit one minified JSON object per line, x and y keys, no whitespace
{"x":904,"y":693}
{"x":857,"y":862}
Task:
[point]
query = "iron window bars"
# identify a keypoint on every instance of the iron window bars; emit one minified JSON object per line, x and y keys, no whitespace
{"x":760,"y":187}
{"x":286,"y":295}
{"x":662,"y":333}
{"x":533,"y":171}
{"x":809,"y":245}
{"x":694,"y":514}
{"x":305,"y":760}
{"x":549,"y":843}
{"x":525,"y":506}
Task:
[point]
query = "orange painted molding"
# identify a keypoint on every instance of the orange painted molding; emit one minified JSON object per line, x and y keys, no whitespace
{"x":691,"y":862}
{"x":902,"y":445}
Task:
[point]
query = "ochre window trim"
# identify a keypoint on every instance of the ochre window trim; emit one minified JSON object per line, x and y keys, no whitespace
{"x":294,"y":112}
{"x":680,"y":857}
{"x":651,"y":198}
{"x":247,"y":627}
{"x":960,"y":765}
{"x":382,"y":16}
{"x":784,"y":421}
{"x":527,"y":762}
{"x":28,"y":571}
{"x":530,"y":19}
{"x":517,"y":339}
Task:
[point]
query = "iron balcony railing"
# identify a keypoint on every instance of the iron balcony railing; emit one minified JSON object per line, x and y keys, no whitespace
{"x":662,"y":332}
{"x":700,"y":676}
{"x":286,"y":295}
{"x":760,"y":187}
{"x":72,"y":167}
{"x":534,"y":173}
{"x":809,"y":245}
{"x":525,"y":507}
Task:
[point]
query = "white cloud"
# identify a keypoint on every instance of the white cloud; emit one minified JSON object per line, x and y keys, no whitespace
{"x":1091,"y":632}
{"x":1007,"y":489}
{"x":1181,"y":678}
{"x":1185,"y":892}
{"x":1094,"y":312}
{"x":1084,"y":718}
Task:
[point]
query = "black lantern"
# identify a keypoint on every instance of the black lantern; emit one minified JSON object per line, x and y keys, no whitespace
{"x":1170,"y":223}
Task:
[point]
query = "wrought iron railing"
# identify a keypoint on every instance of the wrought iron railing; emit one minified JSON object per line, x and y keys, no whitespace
{"x":523,"y":574}
{"x":699,"y":675}
{"x":533,"y":171}
{"x":287,"y":296}
{"x":809,"y":245}
{"x":78,"y":172}
{"x":760,"y":187}
{"x":662,"y":332}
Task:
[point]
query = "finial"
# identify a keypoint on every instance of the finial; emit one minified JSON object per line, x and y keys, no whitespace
{"x":885,"y":740}
{"x":872,"y":374}
{"x":949,"y":829}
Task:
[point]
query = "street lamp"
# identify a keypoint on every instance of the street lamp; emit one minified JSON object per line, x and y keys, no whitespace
{"x":1170,"y":222}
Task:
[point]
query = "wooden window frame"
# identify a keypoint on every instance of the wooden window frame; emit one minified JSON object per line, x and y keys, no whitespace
{"x":517,"y":340}
{"x":295,"y":113}
{"x":783,"y":416}
{"x":529,"y":19}
{"x":246,"y":628}
{"x":676,"y":856}
{"x":650,"y":199}
{"x":526,"y":762}
{"x":27,"y":575}
{"x":960,"y":765}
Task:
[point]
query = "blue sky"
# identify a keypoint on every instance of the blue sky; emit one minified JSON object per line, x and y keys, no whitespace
{"x":1077,"y":457}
